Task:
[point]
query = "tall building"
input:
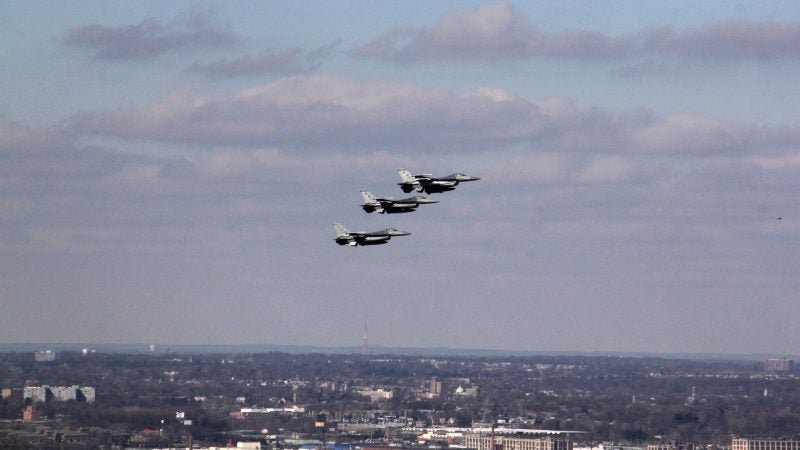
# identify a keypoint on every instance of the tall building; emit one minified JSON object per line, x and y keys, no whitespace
{"x":365,"y":350}
{"x":673,"y":445}
{"x":64,"y":393}
{"x":59,"y":393}
{"x":376,"y":394}
{"x":471,"y":391}
{"x":506,"y":442}
{"x":44,"y":356}
{"x":779,"y":365}
{"x":88,"y":394}
{"x":37,"y":393}
{"x":30,"y":414}
{"x":764,"y":444}
{"x":436,"y":388}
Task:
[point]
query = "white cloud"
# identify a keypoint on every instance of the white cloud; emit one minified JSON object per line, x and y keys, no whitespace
{"x":557,"y":106}
{"x":269,"y":62}
{"x":689,"y":133}
{"x":778,"y":162}
{"x":314,"y":111}
{"x":147,"y":177}
{"x":493,"y":93}
{"x":501,"y":32}
{"x":530,"y":167}
{"x":311,"y":114}
{"x":237,"y":162}
{"x":607,"y":169}
{"x":16,"y":137}
{"x":194,"y":29}
{"x":491,"y":32}
{"x":729,"y":40}
{"x":308,"y":113}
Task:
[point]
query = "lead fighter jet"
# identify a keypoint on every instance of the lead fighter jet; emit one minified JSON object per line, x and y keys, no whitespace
{"x":389,"y":205}
{"x":353,"y":238}
{"x":430,"y":184}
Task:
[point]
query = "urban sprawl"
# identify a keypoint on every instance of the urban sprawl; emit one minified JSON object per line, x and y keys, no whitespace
{"x":317,"y":401}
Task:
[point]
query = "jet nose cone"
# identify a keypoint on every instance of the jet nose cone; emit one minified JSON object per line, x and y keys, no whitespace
{"x":425,"y":200}
{"x":394,"y":232}
{"x":462,"y":177}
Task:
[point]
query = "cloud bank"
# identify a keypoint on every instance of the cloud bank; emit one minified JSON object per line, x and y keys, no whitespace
{"x":271,"y":62}
{"x":312,"y":113}
{"x":490,"y":33}
{"x":501,"y":32}
{"x":148,"y":38}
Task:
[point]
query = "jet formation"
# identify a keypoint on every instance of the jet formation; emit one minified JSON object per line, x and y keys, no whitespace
{"x":388,"y":205}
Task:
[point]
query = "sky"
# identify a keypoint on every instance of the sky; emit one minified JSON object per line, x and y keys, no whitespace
{"x":170,"y":171}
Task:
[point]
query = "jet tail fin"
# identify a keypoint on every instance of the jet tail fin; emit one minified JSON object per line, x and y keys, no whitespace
{"x":368,"y":197}
{"x":371,"y":202}
{"x":343,"y":236}
{"x":341,"y":231}
{"x":409,"y":182}
{"x":406,"y":176}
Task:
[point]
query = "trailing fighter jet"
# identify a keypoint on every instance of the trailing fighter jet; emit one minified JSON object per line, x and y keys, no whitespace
{"x":430,"y":184}
{"x":353,"y":238}
{"x":389,"y":205}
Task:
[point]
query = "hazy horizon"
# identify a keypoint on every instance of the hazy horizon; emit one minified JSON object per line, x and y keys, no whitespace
{"x":374,"y":351}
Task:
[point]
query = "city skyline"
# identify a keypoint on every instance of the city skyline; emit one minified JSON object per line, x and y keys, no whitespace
{"x":169,"y":173}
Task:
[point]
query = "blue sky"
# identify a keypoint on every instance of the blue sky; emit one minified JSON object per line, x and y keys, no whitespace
{"x":169,"y":173}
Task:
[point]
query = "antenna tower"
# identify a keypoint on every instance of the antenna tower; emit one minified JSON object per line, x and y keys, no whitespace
{"x":365,"y":349}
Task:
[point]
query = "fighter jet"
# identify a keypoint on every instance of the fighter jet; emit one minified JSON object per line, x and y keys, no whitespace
{"x":430,"y":184}
{"x":389,"y":205}
{"x":353,"y":238}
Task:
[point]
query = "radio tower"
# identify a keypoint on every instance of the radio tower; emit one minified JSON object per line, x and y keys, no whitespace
{"x":365,"y":350}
